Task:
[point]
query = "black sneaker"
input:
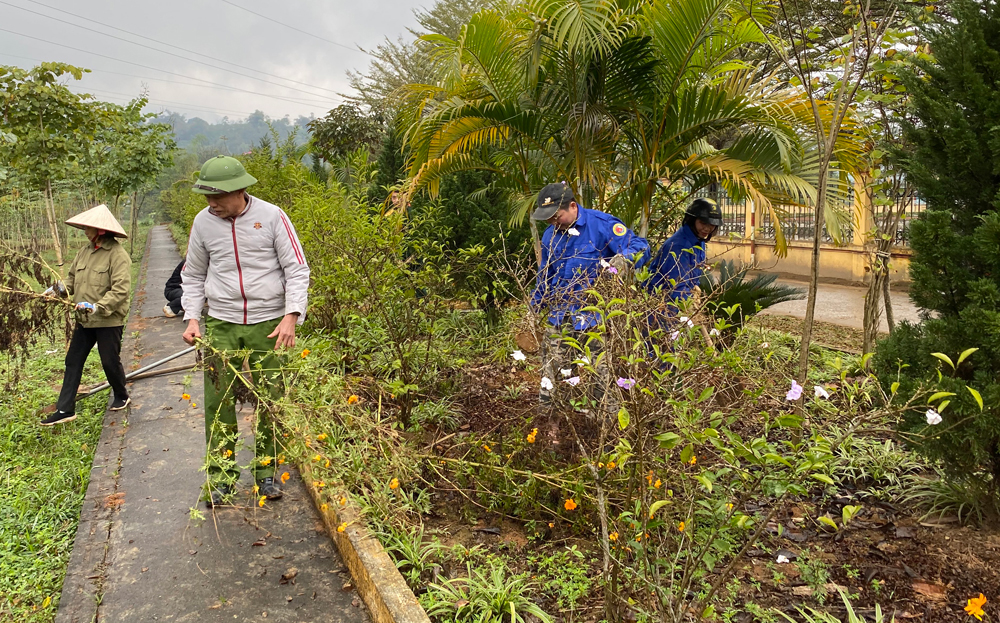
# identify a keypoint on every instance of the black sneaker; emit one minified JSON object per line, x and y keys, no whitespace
{"x":220,"y":495}
{"x":269,"y":488}
{"x":58,"y":418}
{"x":120,"y":403}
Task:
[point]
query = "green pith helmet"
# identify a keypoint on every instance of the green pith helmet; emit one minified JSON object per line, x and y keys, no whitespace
{"x":222,"y":174}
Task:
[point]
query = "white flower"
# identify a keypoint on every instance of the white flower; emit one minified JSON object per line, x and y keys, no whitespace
{"x":714,"y":332}
{"x":518,"y":355}
{"x":583,"y":361}
{"x":573,"y":231}
{"x":546,"y":383}
{"x":675,"y":335}
{"x":765,"y":345}
{"x":782,"y":559}
{"x":573,"y":381}
{"x":820,"y":392}
{"x":566,"y":371}
{"x":933,"y":417}
{"x":685,"y":319}
{"x":605,"y":264}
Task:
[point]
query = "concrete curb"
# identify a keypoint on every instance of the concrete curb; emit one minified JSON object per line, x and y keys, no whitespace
{"x":376,"y":577}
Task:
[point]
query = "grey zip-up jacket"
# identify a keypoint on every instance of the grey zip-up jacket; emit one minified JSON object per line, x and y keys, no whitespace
{"x":249,"y":268}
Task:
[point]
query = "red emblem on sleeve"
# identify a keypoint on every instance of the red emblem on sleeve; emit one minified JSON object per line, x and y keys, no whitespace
{"x":619,"y":229}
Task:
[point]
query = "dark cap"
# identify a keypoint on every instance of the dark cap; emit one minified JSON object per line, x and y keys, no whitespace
{"x":551,"y":198}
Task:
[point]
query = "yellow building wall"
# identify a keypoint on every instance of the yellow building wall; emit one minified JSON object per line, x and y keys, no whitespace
{"x":846,"y":263}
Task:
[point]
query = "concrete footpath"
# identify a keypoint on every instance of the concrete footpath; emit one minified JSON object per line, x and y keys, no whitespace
{"x":843,"y":305}
{"x":141,"y":554}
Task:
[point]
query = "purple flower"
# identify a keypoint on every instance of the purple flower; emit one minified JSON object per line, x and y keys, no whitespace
{"x":574,"y":380}
{"x":626,"y":383}
{"x":613,"y":270}
{"x":795,"y":392}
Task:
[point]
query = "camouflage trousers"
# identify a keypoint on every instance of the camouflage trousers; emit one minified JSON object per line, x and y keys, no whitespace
{"x":572,"y":381}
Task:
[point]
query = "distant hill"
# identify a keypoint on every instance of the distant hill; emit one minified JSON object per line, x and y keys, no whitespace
{"x":230,"y":136}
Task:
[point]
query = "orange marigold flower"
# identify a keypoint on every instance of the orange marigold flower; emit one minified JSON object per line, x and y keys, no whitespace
{"x":352,"y":399}
{"x":265,"y":461}
{"x":281,"y":461}
{"x":680,"y":527}
{"x":613,"y":536}
{"x":342,"y":527}
{"x":285,"y":477}
{"x":321,"y":436}
{"x":611,"y":464}
{"x":394,"y":483}
{"x":531,"y":436}
{"x":261,"y":501}
{"x":693,"y":460}
{"x":657,"y":484}
{"x":975,"y":606}
{"x":305,"y":353}
{"x":570,"y":504}
{"x":552,"y":525}
{"x":228,"y":453}
{"x":185,"y":396}
{"x":343,"y":501}
{"x":487,"y":448}
{"x":324,"y":506}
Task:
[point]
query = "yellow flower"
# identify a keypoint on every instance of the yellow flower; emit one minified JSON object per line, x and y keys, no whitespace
{"x":281,"y":461}
{"x":552,"y":525}
{"x":342,"y":527}
{"x":343,"y":501}
{"x":613,"y":536}
{"x":193,"y":405}
{"x":327,"y":464}
{"x":680,"y":527}
{"x":317,"y":458}
{"x":324,"y":506}
{"x":320,"y":484}
{"x":265,"y":461}
{"x":693,"y":460}
{"x":570,"y":504}
{"x":611,"y":464}
{"x":657,"y":484}
{"x":394,"y":483}
{"x":305,"y":353}
{"x":975,"y":606}
{"x":487,"y":448}
{"x":261,"y":501}
{"x":531,"y":436}
{"x":285,"y":477}
{"x":185,"y":396}
{"x":649,"y":477}
{"x":729,"y":507}
{"x":321,"y":436}
{"x":352,"y":399}
{"x":228,"y":453}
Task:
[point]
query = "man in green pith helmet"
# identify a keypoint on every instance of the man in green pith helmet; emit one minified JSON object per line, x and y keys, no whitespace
{"x":245,"y":262}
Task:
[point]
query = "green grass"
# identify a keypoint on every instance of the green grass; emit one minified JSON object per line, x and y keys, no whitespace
{"x":44,"y":473}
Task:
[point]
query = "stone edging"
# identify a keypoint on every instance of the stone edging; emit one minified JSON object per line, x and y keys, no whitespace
{"x":376,"y":577}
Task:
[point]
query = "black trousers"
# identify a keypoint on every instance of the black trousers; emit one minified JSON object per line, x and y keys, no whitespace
{"x":173,"y":296}
{"x":109,"y":345}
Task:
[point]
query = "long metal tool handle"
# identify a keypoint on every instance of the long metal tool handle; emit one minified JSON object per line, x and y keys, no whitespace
{"x":134,"y":373}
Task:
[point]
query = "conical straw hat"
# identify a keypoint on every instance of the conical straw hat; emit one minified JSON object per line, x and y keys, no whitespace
{"x":98,"y":217}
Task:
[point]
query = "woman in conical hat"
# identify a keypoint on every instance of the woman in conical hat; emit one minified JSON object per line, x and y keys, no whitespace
{"x":100,"y":281}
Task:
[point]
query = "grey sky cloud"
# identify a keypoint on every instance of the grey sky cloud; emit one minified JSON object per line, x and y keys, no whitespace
{"x":306,"y":72}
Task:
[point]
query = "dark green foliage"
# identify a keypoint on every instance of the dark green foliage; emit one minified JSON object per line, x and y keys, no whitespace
{"x":754,"y":295}
{"x":343,"y":130}
{"x":390,"y":166}
{"x":953,"y":159}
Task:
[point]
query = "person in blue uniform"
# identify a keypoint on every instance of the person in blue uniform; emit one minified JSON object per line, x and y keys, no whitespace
{"x":578,"y":244}
{"x":676,"y":268}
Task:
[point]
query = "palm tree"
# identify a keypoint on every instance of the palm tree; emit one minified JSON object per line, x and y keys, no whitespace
{"x":619,"y":99}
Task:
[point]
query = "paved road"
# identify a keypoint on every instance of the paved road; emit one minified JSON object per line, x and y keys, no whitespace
{"x":140,"y":555}
{"x":843,"y":305}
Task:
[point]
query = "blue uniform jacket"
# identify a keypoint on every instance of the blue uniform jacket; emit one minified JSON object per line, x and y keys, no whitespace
{"x":678,"y":260}
{"x":570,"y":263}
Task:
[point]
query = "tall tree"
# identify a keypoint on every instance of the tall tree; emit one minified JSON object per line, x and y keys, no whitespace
{"x":952,"y":156}
{"x":52,"y":126}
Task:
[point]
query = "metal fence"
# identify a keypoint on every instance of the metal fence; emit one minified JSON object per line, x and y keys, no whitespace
{"x":798,"y":222}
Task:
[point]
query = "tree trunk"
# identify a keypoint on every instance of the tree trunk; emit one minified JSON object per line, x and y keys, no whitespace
{"x":889,"y":319}
{"x":50,"y":212}
{"x":535,"y":241}
{"x":134,"y":215}
{"x":807,"y":323}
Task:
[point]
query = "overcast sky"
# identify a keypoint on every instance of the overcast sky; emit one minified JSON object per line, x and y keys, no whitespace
{"x":308,"y":70}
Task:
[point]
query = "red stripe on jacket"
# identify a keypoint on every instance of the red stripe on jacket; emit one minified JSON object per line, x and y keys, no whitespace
{"x":295,"y":246}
